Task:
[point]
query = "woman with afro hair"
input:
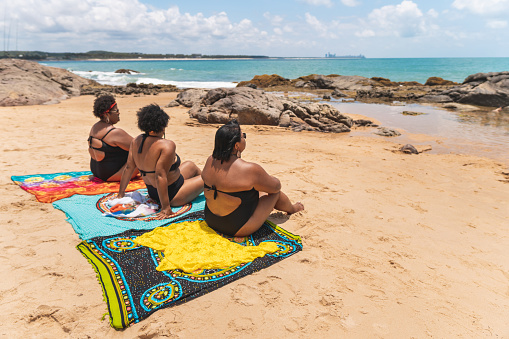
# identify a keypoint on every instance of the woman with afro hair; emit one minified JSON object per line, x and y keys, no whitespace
{"x":168,"y":181}
{"x":108,"y":146}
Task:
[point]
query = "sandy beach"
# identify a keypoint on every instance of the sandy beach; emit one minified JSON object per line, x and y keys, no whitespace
{"x":395,"y":245}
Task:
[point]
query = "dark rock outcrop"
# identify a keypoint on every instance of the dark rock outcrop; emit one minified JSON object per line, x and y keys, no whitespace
{"x":265,"y":81}
{"x":255,"y":107}
{"x":409,"y":149}
{"x":387,"y":132}
{"x":126,"y":71}
{"x":483,"y":89}
{"x":190,"y":96}
{"x":26,"y":82}
{"x":437,"y":81}
{"x":129,"y":89}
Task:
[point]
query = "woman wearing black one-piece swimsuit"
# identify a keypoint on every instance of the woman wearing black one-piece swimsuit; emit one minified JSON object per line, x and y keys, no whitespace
{"x":168,"y":181}
{"x":240,"y":195}
{"x":108,"y":146}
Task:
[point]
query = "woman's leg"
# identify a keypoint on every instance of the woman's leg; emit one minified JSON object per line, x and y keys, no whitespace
{"x":265,"y":206}
{"x":284,"y":204}
{"x":188,"y":192}
{"x":188,"y":169}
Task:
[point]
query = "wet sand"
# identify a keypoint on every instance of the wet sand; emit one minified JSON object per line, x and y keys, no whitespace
{"x":395,"y":245}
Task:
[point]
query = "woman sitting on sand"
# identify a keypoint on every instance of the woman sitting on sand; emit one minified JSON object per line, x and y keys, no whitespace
{"x":108,"y":146}
{"x":240,"y":195}
{"x":169,"y":182}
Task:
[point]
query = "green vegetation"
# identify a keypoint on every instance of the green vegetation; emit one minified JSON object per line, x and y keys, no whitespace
{"x":38,"y":55}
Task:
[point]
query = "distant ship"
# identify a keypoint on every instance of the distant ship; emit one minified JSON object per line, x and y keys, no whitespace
{"x":334,"y":56}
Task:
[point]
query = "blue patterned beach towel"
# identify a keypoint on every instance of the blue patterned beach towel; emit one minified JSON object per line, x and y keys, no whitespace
{"x":85,"y":214}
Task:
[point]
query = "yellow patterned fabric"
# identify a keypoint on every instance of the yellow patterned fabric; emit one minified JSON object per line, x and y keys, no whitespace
{"x":191,"y":246}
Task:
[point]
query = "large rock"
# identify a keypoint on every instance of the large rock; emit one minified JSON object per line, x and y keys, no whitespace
{"x":189,"y":97}
{"x":265,"y":80}
{"x":482,"y":89}
{"x":26,"y":82}
{"x":255,"y":107}
{"x":249,"y":106}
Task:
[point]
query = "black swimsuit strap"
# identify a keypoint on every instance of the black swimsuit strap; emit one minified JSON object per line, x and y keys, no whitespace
{"x":143,"y":138}
{"x":90,"y":139}
{"x":104,"y":136}
{"x":214,"y":188}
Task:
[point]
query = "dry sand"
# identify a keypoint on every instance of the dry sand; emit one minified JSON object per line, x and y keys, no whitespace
{"x":395,"y":245}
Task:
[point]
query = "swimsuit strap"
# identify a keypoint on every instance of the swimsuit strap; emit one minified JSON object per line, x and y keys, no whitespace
{"x":90,"y":140}
{"x":176,"y":164}
{"x":240,"y":194}
{"x":214,"y":188}
{"x":104,"y":136}
{"x":144,"y":173}
{"x":144,"y":137}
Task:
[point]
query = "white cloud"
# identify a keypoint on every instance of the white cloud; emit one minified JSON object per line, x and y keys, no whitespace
{"x":432,"y":13}
{"x":482,"y":6}
{"x":402,"y":20}
{"x":327,"y":3}
{"x":275,"y":20}
{"x":316,"y":24}
{"x":123,"y":24}
{"x":367,"y":33}
{"x":350,"y":3}
{"x":496,"y":24}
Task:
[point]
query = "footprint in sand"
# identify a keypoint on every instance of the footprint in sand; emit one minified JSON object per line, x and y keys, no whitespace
{"x":241,"y":324}
{"x":246,"y":295}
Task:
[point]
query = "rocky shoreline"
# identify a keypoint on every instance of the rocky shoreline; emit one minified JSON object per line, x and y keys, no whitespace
{"x":30,"y":83}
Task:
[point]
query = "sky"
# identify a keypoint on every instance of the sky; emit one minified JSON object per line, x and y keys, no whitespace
{"x":278,"y":28}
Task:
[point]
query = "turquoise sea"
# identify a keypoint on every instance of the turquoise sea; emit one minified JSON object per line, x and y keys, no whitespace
{"x":480,"y":133}
{"x":224,"y":73}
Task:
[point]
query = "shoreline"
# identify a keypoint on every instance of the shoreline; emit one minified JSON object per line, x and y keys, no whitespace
{"x":384,"y":234}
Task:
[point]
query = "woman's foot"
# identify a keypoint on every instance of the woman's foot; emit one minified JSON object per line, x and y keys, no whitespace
{"x":297,"y":207}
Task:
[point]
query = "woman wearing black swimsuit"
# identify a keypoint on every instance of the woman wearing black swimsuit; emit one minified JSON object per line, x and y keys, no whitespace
{"x":239,"y":195}
{"x":168,"y":181}
{"x":108,"y":146}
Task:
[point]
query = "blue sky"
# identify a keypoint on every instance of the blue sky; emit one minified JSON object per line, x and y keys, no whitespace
{"x":291,"y":28}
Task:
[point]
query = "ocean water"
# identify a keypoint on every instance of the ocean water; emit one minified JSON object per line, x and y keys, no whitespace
{"x":479,"y":133}
{"x":225,"y":73}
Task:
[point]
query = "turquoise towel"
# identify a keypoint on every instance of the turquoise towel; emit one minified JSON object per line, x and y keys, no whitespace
{"x":84,"y":213}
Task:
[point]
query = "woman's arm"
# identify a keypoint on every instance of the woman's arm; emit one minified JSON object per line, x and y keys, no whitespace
{"x":263,"y":182}
{"x":127,"y":173}
{"x":120,"y":138}
{"x":163,"y":164}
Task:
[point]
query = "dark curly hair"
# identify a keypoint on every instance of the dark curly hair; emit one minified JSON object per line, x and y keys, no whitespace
{"x":226,"y":137}
{"x":152,"y":118}
{"x":102,"y":104}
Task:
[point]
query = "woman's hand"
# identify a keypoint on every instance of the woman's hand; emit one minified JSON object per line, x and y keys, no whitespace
{"x":165,"y":214}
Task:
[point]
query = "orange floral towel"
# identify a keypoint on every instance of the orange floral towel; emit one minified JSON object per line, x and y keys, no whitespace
{"x":51,"y":187}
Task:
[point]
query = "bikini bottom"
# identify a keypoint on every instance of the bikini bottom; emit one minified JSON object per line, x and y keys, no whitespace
{"x":172,"y":189}
{"x":230,"y":224}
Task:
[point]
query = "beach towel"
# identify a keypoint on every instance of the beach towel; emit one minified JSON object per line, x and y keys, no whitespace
{"x":192,"y":245}
{"x":52,"y":187}
{"x":86,"y":214}
{"x":133,"y":289}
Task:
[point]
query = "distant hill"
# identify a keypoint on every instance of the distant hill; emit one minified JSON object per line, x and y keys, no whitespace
{"x":38,"y":55}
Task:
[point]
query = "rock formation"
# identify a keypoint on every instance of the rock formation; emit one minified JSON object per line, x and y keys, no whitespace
{"x":251,"y":106}
{"x":483,"y":89}
{"x":26,"y":82}
{"x":129,"y":89}
{"x":126,"y":71}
